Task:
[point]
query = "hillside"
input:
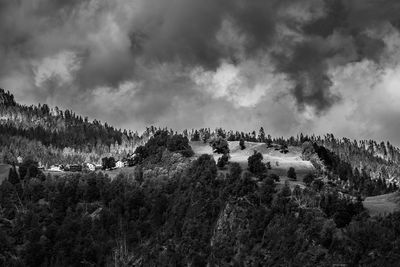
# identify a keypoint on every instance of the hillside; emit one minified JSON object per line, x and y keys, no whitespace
{"x":280,"y":162}
{"x":383,"y":204}
{"x":178,"y":205}
{"x":63,"y":136}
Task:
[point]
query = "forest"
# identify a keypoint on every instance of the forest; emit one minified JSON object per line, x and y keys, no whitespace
{"x":194,"y":217}
{"x":181,"y":209}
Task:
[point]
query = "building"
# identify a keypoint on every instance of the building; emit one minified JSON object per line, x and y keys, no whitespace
{"x":119,"y":164}
{"x":91,"y":167}
{"x":55,"y":168}
{"x":20,"y":160}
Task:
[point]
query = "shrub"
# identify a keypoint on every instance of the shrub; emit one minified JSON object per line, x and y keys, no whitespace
{"x":222,"y":161}
{"x":235,"y":170}
{"x":255,"y":164}
{"x":241,"y":144}
{"x":274,"y":177}
{"x":219,"y":145}
{"x":162,"y":140}
{"x":292,"y":173}
{"x":308,"y":179}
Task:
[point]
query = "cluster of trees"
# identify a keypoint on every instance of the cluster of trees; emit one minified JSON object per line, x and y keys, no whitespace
{"x":354,"y":180}
{"x":56,"y":130}
{"x":59,"y":129}
{"x":162,"y":140}
{"x":194,"y":219}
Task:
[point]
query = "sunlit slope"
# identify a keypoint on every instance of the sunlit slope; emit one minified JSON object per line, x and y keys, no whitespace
{"x":382,"y":204}
{"x":280,"y":162}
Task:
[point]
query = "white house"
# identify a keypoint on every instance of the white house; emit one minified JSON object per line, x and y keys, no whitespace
{"x":91,"y":167}
{"x":55,"y":168}
{"x":119,"y":164}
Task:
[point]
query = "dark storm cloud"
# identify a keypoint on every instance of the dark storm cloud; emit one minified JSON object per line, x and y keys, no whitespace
{"x":185,"y":30}
{"x":55,"y":50}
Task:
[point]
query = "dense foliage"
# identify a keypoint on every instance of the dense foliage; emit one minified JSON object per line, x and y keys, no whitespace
{"x":194,"y":218}
{"x":176,"y":210}
{"x":160,"y":141}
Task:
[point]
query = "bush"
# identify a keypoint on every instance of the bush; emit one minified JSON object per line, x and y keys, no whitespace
{"x":222,"y":161}
{"x":292,"y":173}
{"x":219,"y":145}
{"x":108,"y":163}
{"x":308,"y":179}
{"x":241,"y":144}
{"x":235,"y":170}
{"x":162,"y":140}
{"x":274,"y":177}
{"x":29,"y":169}
{"x":179,"y":143}
{"x":255,"y":164}
{"x":204,"y":168}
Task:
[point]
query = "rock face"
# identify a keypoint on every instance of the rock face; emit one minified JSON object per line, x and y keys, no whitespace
{"x":229,"y":233}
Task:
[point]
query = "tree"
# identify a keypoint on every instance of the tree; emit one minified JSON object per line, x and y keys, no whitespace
{"x":255,"y":164}
{"x":235,"y":170}
{"x":219,"y":145}
{"x":204,"y":168}
{"x":196,"y":136}
{"x":268,"y":165}
{"x":13,"y":176}
{"x":179,"y":143}
{"x":108,"y":163}
{"x":138,"y":174}
{"x":222,"y":161}
{"x":29,"y":168}
{"x":292,"y":173}
{"x":274,"y":177}
{"x":241,"y":144}
{"x":308,"y":179}
{"x":261,"y":135}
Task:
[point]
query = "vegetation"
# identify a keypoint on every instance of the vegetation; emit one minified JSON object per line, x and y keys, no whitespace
{"x":219,"y":145}
{"x":194,"y":218}
{"x":177,"y":210}
{"x":292,"y":173}
{"x":222,"y":161}
{"x":256,"y":166}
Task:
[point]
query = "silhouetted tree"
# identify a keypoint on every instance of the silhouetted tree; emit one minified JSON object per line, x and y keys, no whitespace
{"x":292,"y":173}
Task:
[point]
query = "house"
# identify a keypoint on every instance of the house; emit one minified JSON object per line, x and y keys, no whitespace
{"x":91,"y":167}
{"x":41,"y":166}
{"x":20,"y":160}
{"x":119,"y":164}
{"x":55,"y":168}
{"x":74,"y":168}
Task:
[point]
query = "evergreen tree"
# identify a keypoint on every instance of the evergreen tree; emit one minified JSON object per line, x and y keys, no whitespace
{"x":292,"y":173}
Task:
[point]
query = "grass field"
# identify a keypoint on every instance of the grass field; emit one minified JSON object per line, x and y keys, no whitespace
{"x":4,"y":171}
{"x":382,"y":204}
{"x":280,"y":162}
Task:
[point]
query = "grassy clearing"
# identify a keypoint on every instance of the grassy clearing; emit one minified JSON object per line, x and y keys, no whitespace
{"x":280,"y":162}
{"x":382,"y":204}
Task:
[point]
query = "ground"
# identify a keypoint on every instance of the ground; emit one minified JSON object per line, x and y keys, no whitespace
{"x":280,"y":162}
{"x":4,"y":171}
{"x":382,"y":204}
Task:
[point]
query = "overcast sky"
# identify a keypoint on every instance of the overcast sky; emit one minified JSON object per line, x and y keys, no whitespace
{"x":291,"y":66}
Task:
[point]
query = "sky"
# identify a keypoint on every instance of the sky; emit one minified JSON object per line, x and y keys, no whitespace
{"x":311,"y":66}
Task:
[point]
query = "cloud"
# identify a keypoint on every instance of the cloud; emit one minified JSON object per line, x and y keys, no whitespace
{"x":304,"y":65}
